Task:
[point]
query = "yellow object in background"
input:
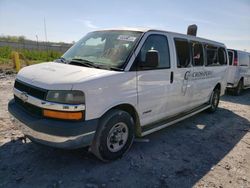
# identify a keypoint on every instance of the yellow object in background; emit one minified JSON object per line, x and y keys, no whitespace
{"x":16,"y":61}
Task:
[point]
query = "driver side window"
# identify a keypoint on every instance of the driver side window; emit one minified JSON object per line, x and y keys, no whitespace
{"x":160,"y":44}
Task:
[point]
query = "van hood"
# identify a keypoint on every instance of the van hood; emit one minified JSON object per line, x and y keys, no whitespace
{"x":53,"y":76}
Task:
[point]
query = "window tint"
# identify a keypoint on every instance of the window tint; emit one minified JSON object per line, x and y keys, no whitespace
{"x":212,"y":55}
{"x":182,"y":52}
{"x":230,"y":55}
{"x":160,"y":44}
{"x":222,"y":56}
{"x":243,"y":58}
{"x":197,"y":54}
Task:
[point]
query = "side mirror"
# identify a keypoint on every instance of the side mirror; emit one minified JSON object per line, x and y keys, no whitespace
{"x":152,"y":59}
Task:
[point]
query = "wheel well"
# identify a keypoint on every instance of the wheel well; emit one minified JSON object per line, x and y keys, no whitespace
{"x":132,"y":111}
{"x":242,"y":78}
{"x":218,"y":86}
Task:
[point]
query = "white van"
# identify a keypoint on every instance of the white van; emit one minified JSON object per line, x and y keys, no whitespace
{"x":114,"y":85}
{"x":239,"y":71}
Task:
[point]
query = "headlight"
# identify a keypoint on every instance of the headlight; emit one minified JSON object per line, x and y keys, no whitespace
{"x":66,"y":97}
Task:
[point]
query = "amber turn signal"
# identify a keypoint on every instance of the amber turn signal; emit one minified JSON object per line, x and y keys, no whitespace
{"x":63,"y":115}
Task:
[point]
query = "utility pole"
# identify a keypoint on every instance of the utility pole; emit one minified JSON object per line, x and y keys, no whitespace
{"x":46,"y":39}
{"x":37,"y":42}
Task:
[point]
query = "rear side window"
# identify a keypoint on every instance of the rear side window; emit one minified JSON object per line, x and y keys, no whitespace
{"x":230,"y":56}
{"x":222,"y":56}
{"x":159,"y":43}
{"x":197,"y":54}
{"x":243,"y":58}
{"x":182,"y":52}
{"x":212,"y":55}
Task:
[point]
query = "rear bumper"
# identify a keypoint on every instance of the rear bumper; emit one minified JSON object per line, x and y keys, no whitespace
{"x":51,"y":132}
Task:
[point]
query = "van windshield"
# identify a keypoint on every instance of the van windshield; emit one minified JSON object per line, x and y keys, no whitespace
{"x":103,"y":49}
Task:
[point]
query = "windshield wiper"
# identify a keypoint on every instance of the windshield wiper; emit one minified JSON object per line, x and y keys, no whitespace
{"x":84,"y":62}
{"x":61,"y":60}
{"x":88,"y":63}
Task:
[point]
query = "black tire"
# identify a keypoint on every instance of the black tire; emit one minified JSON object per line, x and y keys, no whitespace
{"x":214,"y":100}
{"x":239,"y":88}
{"x":105,"y":136}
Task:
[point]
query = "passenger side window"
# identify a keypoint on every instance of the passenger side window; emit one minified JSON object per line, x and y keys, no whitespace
{"x":222,"y":56}
{"x":212,"y":55}
{"x":182,"y":52}
{"x":197,"y":54}
{"x":160,"y":44}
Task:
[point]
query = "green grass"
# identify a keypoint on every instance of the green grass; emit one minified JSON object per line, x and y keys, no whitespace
{"x":5,"y":60}
{"x":5,"y":52}
{"x":35,"y":56}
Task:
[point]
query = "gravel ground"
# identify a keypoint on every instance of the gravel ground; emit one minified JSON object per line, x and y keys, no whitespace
{"x":207,"y":150}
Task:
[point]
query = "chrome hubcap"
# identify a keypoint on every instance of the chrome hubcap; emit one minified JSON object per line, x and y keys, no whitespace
{"x":117,"y":137}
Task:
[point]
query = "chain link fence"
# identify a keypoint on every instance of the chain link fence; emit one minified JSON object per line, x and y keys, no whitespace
{"x":33,"y":45}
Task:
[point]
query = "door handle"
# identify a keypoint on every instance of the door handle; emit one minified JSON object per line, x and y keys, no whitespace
{"x":171,"y":77}
{"x":186,"y":76}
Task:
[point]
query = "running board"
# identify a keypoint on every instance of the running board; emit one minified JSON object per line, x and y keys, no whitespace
{"x":148,"y":129}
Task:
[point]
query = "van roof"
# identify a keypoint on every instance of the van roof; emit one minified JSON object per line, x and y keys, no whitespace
{"x":239,"y":51}
{"x":144,"y":30}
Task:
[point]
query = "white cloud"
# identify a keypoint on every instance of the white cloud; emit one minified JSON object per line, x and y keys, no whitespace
{"x":87,"y":23}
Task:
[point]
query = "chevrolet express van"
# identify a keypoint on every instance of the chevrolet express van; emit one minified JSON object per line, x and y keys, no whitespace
{"x":239,"y":71}
{"x":115,"y":85}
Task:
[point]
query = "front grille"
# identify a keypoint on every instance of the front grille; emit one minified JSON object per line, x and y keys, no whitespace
{"x":31,"y":109}
{"x":31,"y":90}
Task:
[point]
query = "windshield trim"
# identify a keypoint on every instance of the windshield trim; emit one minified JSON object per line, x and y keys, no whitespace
{"x":125,"y":64}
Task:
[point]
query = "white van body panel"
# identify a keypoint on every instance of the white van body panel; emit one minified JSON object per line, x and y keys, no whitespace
{"x":181,"y":90}
{"x":158,"y":98}
{"x":239,"y":71}
{"x":244,"y":64}
{"x":107,"y":92}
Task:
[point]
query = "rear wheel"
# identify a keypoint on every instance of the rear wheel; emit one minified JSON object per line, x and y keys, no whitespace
{"x":239,"y":88}
{"x":114,"y":136}
{"x":214,"y":100}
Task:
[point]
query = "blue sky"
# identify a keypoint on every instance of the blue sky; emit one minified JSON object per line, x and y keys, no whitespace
{"x":227,"y":21}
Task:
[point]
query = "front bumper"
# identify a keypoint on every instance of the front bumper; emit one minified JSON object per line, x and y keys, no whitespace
{"x":51,"y":132}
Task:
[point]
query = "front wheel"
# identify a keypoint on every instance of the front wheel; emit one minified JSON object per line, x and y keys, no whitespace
{"x":214,"y":100}
{"x":114,"y":136}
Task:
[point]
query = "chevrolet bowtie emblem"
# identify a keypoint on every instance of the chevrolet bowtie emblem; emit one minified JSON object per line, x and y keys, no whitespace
{"x":24,"y":96}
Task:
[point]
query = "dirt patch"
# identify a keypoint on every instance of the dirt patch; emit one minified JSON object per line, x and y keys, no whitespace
{"x":207,"y":150}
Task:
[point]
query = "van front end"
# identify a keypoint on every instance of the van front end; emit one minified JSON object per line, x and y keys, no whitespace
{"x":43,"y":118}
